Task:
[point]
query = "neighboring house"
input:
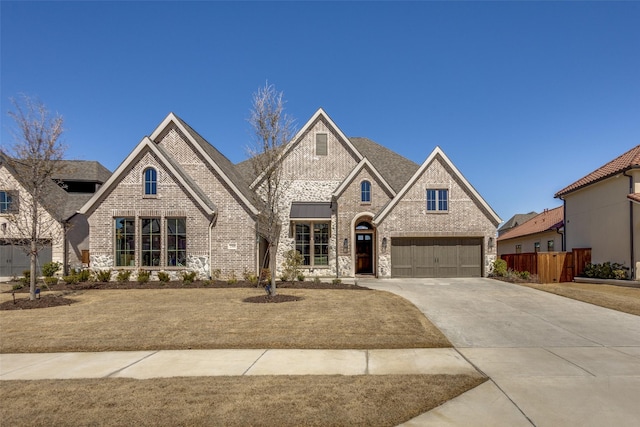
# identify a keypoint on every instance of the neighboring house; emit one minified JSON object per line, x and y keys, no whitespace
{"x":602,"y":212}
{"x":542,"y":233}
{"x":515,"y":221}
{"x":351,"y":207}
{"x":63,"y":239}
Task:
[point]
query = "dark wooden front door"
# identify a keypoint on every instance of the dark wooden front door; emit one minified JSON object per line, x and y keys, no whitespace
{"x":364,"y":253}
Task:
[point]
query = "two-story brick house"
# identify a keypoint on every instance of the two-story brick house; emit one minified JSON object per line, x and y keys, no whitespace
{"x":351,"y":207}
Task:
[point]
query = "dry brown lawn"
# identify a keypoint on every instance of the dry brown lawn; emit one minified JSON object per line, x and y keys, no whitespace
{"x":108,"y":320}
{"x":218,"y":318}
{"x":229,"y":401}
{"x":618,"y":298}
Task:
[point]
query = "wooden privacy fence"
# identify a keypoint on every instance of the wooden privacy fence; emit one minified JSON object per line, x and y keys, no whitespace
{"x":550,"y":267}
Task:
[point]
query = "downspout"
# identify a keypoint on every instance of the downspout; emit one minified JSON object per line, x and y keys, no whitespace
{"x":631,"y":248}
{"x":564,"y":220}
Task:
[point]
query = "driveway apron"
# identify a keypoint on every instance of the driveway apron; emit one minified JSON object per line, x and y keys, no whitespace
{"x":552,"y":361}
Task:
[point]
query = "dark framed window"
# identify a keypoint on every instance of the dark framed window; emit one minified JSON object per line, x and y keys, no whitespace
{"x":125,"y":242}
{"x":5,"y":202}
{"x":321,"y":144}
{"x":536,"y":247}
{"x":150,"y":242}
{"x":150,"y":181}
{"x":518,"y":249}
{"x":176,"y":242}
{"x":365,"y":192}
{"x":437,"y":200}
{"x":312,"y":241}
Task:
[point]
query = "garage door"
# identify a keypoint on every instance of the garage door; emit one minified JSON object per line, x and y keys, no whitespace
{"x":436,"y":257}
{"x":14,"y":260}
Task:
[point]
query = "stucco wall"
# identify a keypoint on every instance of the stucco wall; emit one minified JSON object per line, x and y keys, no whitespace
{"x":528,"y":243}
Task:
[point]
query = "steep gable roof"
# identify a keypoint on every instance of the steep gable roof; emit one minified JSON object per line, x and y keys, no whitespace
{"x":147,"y":144}
{"x":55,"y":200}
{"x":364,"y":163}
{"x":622,"y":163}
{"x":395,"y":168}
{"x":320,"y":114}
{"x":219,"y":161}
{"x":436,"y":153}
{"x":549,"y":220}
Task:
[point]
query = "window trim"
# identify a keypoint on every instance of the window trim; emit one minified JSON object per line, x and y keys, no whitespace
{"x":150,"y":181}
{"x":366,"y":191}
{"x":177,"y":250}
{"x":151,"y":249}
{"x":6,"y":205}
{"x":312,"y":242}
{"x":126,"y":252}
{"x":437,"y":201}
{"x":551,"y":245}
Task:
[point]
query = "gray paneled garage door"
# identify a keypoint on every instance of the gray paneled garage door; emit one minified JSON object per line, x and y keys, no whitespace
{"x":436,"y":257}
{"x":14,"y":260}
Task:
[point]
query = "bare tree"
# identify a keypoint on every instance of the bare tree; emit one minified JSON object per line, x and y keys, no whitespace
{"x":34,"y":159}
{"x":272,"y":130}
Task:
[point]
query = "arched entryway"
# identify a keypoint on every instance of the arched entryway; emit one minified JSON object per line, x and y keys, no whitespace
{"x":364,"y":237}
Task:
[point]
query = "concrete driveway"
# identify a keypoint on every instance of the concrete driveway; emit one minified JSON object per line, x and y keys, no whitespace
{"x":552,"y":361}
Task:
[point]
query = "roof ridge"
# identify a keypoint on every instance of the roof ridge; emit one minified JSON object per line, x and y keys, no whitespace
{"x":624,"y":162}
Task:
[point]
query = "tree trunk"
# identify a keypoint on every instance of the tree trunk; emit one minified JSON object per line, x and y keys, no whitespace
{"x":272,"y":267}
{"x":33,"y":257}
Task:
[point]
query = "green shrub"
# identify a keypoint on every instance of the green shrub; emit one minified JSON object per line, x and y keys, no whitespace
{"x":123,"y":275}
{"x":103,"y":275}
{"x":163,"y":276}
{"x":215,"y":274}
{"x":525,"y":275}
{"x":70,"y":279}
{"x":143,"y":276}
{"x":232,"y":279}
{"x":292,"y":262}
{"x":83,"y":275}
{"x":606,"y":270}
{"x":316,"y":280}
{"x":188,"y":277}
{"x":253,"y":279}
{"x":300,"y":277}
{"x":499,"y":268}
{"x":50,"y":268}
{"x":336,"y":281}
{"x":17,"y":286}
{"x":26,"y":278}
{"x":284,"y":277}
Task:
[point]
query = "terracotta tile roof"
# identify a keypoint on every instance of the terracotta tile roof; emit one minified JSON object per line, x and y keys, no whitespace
{"x":635,"y":197}
{"x":629,"y":160}
{"x":550,"y":219}
{"x":515,"y":221}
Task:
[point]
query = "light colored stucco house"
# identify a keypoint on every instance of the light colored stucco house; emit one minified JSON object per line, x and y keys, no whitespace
{"x":541,"y":233}
{"x":514,"y":221}
{"x":351,"y":207}
{"x":64,"y":236}
{"x":602,"y":212}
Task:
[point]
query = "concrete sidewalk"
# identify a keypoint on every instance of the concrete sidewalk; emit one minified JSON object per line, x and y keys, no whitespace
{"x":172,"y":363}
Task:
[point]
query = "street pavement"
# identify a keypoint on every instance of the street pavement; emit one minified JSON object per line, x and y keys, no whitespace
{"x":552,"y":361}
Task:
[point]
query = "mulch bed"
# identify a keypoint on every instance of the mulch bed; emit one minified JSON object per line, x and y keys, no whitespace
{"x":50,"y":300}
{"x":44,"y":301}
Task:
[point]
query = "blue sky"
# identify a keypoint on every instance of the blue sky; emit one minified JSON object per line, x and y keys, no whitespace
{"x":524,"y":97}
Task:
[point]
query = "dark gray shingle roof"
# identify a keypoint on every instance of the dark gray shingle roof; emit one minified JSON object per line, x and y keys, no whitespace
{"x":82,"y":170}
{"x":394,"y":168}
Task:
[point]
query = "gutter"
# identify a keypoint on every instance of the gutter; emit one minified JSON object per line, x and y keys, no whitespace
{"x":631,"y":248}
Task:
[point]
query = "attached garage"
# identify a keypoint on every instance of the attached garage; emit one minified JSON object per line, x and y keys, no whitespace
{"x":14,"y":258}
{"x":436,"y":257}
